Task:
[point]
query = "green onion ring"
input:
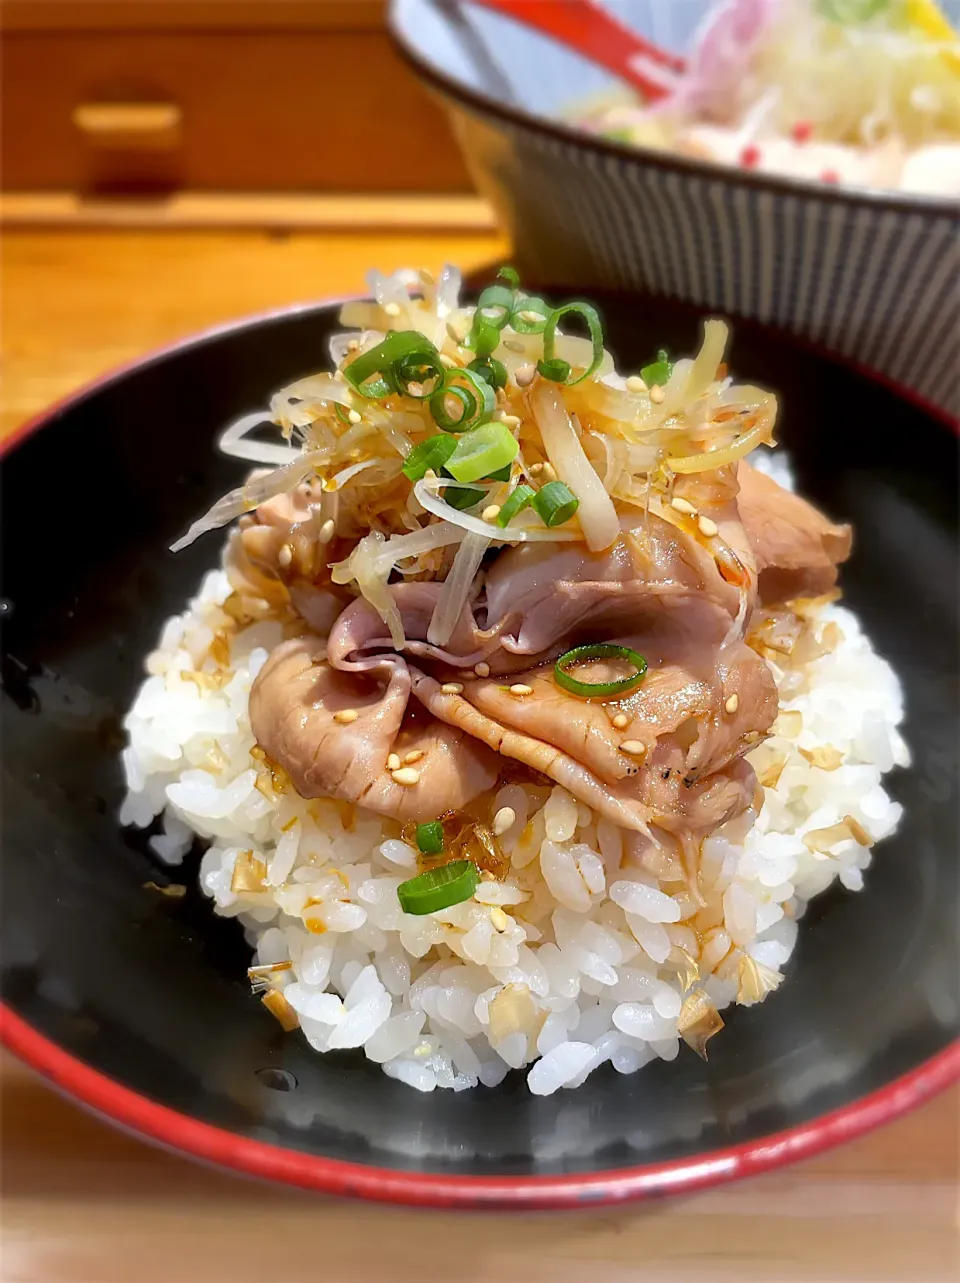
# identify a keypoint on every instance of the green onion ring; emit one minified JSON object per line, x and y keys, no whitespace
{"x":432,"y":453}
{"x":372,"y":374}
{"x":590,"y":316}
{"x":514,"y":504}
{"x":495,"y":305}
{"x":509,"y":274}
{"x":556,"y":369}
{"x":489,"y":368}
{"x":536,"y":322}
{"x":599,"y":690}
{"x":478,"y":400}
{"x":430,"y":837}
{"x":439,"y":888}
{"x":419,"y":369}
{"x":555,"y":503}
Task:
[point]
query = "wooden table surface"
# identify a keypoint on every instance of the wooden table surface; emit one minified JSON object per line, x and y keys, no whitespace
{"x":83,"y":1203}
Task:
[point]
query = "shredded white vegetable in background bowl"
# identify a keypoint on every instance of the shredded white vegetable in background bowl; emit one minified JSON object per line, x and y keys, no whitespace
{"x":540,"y":422}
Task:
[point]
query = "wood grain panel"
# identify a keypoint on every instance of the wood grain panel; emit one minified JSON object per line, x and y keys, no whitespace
{"x":308,"y":111}
{"x":191,"y":15}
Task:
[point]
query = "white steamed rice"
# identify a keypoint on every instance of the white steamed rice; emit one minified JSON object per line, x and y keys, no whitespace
{"x":569,"y":962}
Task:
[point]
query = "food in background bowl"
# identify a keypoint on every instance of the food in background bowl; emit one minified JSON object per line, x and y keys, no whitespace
{"x":522,"y":721}
{"x":860,"y":92}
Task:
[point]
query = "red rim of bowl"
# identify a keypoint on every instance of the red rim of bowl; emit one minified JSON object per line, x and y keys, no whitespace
{"x":479,"y":102}
{"x":226,"y":1149}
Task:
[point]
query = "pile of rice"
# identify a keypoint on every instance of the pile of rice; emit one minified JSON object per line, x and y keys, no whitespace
{"x":579,"y":956}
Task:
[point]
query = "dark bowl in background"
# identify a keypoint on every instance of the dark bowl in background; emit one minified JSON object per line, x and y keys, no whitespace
{"x":871,"y":275}
{"x":137,"y":1005}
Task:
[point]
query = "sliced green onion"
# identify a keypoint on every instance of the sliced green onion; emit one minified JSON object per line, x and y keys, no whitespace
{"x":517,"y":501}
{"x":489,"y":368}
{"x":460,"y":497}
{"x":439,"y":888}
{"x":509,"y":274}
{"x":590,"y":316}
{"x":659,"y":372}
{"x":482,"y":451}
{"x":430,"y":837}
{"x":594,"y":690}
{"x":432,"y":453}
{"x":372,"y":373}
{"x":495,"y":305}
{"x":530,"y":315}
{"x":483,"y":338}
{"x":477,"y":401}
{"x":501,"y":474}
{"x":557,"y":370}
{"x":422,"y":368}
{"x":555,"y":503}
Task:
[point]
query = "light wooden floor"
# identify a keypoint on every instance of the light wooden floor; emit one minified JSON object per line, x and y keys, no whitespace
{"x":84,"y":1204}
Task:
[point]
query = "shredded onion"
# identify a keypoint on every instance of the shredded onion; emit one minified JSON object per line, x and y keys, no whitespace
{"x":456,"y":589}
{"x":686,"y":385}
{"x":428,"y":491}
{"x":742,"y":445}
{"x":596,"y":514}
{"x":234,"y":443}
{"x":250,"y":496}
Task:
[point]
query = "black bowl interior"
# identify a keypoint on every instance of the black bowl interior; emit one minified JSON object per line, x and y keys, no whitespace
{"x":151,"y":990}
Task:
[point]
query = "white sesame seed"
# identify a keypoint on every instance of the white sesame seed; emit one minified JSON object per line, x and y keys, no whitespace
{"x":530,"y":316}
{"x":414,"y":755}
{"x":633,"y":747}
{"x":451,"y":688}
{"x":503,"y":820}
{"x":482,"y":669}
{"x":326,"y":531}
{"x":499,"y":919}
{"x":393,"y":762}
{"x":338,"y":376}
{"x":491,"y":513}
{"x":519,"y":688}
{"x":406,"y":775}
{"x":707,"y":527}
{"x":392,"y":309}
{"x":636,"y":384}
{"x":511,"y":420}
{"x":513,"y":346}
{"x":346,"y":716}
{"x":430,"y":475}
{"x":448,"y":362}
{"x":549,"y":472}
{"x":354,"y":416}
{"x":285,"y":555}
{"x":525,"y":375}
{"x":535,"y":469}
{"x":732,"y":704}
{"x":657,"y":394}
{"x":683,"y":505}
{"x":621,"y":720}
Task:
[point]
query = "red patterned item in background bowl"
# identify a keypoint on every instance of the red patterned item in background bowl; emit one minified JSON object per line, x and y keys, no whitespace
{"x":871,"y":275}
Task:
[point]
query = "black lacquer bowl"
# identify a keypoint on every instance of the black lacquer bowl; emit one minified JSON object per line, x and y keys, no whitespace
{"x":137,"y":1004}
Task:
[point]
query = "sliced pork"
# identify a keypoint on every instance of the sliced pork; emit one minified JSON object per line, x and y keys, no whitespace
{"x":660,"y":589}
{"x":294,"y":708}
{"x":797,"y":548}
